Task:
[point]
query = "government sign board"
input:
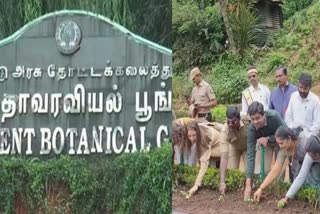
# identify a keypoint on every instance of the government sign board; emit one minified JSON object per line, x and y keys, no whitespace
{"x":76,"y":83}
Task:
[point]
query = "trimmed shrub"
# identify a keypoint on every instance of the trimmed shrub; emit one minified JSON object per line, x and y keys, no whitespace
{"x":187,"y":175}
{"x":131,"y":183}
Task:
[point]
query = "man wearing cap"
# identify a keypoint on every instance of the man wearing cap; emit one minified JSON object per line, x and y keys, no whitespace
{"x":256,"y":92}
{"x":202,"y":97}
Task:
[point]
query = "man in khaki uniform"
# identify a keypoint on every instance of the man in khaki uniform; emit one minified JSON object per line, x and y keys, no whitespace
{"x":202,"y":97}
{"x":233,"y":143}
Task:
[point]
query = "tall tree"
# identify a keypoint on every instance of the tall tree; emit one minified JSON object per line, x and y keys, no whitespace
{"x":224,"y":13}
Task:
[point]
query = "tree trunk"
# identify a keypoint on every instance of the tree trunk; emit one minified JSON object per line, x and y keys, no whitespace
{"x":224,"y":13}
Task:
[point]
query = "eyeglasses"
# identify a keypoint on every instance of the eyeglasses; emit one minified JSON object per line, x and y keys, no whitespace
{"x":252,"y":76}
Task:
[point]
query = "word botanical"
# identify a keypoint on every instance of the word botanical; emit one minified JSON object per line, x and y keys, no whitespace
{"x":73,"y":141}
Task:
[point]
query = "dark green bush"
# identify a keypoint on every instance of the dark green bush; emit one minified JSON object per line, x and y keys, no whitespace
{"x":219,"y":113}
{"x":131,"y":183}
{"x":290,"y":7}
{"x":198,"y":34}
{"x":229,"y":78}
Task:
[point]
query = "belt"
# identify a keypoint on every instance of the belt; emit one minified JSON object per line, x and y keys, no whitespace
{"x":202,"y":114}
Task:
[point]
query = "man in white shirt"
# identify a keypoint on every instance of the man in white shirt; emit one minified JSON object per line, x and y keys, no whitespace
{"x":304,"y":108}
{"x":256,"y":92}
{"x":304,"y":111}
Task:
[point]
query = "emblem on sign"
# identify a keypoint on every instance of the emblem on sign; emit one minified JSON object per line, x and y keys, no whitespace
{"x":68,"y":37}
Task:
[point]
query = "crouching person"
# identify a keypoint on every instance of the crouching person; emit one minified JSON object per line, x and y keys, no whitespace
{"x":182,"y":148}
{"x":206,"y":142}
{"x":260,"y":133}
{"x":288,"y":141}
{"x":309,"y":173}
{"x":233,"y":143}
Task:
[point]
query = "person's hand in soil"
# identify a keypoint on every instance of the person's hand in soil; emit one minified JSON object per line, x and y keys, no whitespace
{"x":283,"y":202}
{"x":247,"y":192}
{"x":193,"y":190}
{"x":222,"y":188}
{"x":257,"y":195}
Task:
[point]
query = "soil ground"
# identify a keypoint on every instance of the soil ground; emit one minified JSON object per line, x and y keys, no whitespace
{"x":206,"y":201}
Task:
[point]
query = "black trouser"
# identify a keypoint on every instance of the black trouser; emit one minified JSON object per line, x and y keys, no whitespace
{"x":208,"y":116}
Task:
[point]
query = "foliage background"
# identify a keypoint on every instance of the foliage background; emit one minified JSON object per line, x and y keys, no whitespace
{"x":150,"y":19}
{"x":295,"y":46}
{"x":197,"y":32}
{"x":292,"y":6}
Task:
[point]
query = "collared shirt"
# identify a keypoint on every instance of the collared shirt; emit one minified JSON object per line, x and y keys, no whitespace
{"x":238,"y":138}
{"x":202,"y":94}
{"x":261,"y":95}
{"x":304,"y":112}
{"x":273,"y":122}
{"x":279,"y":99}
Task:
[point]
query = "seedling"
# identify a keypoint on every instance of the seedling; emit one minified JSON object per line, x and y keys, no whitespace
{"x":221,"y":198}
{"x":281,"y":204}
{"x":249,"y":200}
{"x":185,"y":194}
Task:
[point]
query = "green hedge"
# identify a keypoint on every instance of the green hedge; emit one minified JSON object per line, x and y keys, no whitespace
{"x":186,"y":175}
{"x":219,"y":113}
{"x":131,"y":183}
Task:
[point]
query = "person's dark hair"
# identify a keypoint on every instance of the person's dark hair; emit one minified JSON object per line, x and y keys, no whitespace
{"x":313,"y":144}
{"x":283,"y":69}
{"x":251,"y":67}
{"x":255,"y":108}
{"x":305,"y":80}
{"x":284,"y":133}
{"x":233,"y":112}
